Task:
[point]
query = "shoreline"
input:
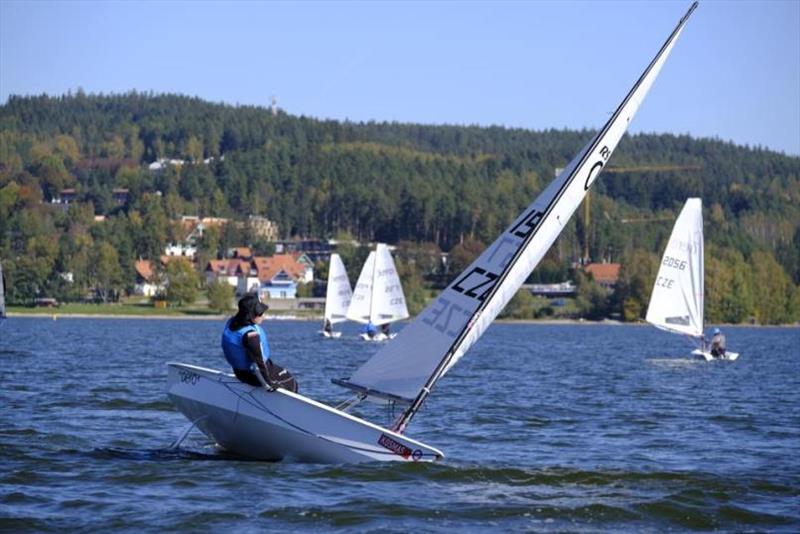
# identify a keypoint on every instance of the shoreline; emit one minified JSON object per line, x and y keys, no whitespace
{"x":581,"y":322}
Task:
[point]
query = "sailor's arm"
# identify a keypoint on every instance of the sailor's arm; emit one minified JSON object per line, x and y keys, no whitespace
{"x":252,"y":345}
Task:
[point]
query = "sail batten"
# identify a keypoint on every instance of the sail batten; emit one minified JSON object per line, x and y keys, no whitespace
{"x":431,"y":344}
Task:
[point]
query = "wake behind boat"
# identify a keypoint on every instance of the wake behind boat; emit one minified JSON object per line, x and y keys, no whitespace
{"x":676,"y":303}
{"x":255,"y":422}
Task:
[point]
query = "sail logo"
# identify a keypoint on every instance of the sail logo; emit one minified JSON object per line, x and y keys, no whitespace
{"x":683,"y":321}
{"x":605,"y":153}
{"x":394,"y":446}
{"x":478,"y":279}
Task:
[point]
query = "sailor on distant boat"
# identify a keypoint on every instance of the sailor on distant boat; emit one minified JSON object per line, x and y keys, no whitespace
{"x":327,"y":326}
{"x":246,"y":347}
{"x":370,"y":329}
{"x":718,"y":344}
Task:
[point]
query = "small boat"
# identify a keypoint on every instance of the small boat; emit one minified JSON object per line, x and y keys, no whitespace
{"x":337,"y":297}
{"x":255,"y":422}
{"x":378,"y":298}
{"x":676,"y":303}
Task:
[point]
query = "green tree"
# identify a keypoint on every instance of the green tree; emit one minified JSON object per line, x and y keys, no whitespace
{"x":220,"y":296}
{"x":182,"y":282}
{"x":105,"y":271}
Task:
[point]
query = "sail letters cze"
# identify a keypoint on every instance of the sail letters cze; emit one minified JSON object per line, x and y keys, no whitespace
{"x":426,"y":349}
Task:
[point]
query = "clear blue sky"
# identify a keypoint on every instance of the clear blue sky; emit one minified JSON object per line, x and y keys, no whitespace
{"x":734,"y":74}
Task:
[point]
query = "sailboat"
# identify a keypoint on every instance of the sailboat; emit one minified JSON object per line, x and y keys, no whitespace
{"x":676,"y":303}
{"x":378,"y":297}
{"x":258,"y":423}
{"x":337,"y":297}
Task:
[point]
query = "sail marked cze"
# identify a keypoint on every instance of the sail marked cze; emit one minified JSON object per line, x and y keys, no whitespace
{"x":430,"y":345}
{"x":378,"y":295}
{"x":676,"y":303}
{"x":338,"y":294}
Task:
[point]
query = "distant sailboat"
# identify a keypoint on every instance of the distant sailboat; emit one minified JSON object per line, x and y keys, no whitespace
{"x":378,"y":297}
{"x":676,"y":303}
{"x":337,"y":297}
{"x":276,"y":424}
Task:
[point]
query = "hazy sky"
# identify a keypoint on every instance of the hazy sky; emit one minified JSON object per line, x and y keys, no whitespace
{"x":734,"y":74}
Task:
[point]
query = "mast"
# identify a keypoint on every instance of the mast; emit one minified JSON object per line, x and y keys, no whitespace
{"x":372,"y":286}
{"x":590,"y":163}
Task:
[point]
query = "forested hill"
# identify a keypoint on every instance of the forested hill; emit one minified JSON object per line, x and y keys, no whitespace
{"x":379,"y":181}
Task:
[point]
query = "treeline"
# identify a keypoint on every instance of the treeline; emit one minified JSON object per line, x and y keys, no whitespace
{"x":439,"y":185}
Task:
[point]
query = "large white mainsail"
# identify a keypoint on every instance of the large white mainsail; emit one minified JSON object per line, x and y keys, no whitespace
{"x":339,"y":293}
{"x":378,"y":297}
{"x":676,"y":303}
{"x":407,"y":369}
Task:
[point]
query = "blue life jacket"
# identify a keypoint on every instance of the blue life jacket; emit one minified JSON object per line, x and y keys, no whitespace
{"x":234,"y":349}
{"x":370,"y":329}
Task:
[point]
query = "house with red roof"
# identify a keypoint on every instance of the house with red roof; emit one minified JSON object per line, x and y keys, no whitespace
{"x":273,"y":277}
{"x":605,"y":274}
{"x":147,"y":283}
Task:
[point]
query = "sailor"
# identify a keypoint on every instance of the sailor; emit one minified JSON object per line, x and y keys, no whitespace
{"x":718,"y":344}
{"x":370,"y":329}
{"x":386,"y":330}
{"x":327,"y":327}
{"x":246,"y":348}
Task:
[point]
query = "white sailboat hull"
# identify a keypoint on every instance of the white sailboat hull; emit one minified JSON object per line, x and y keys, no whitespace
{"x":330,"y":335}
{"x":380,"y":336}
{"x":707,"y":356}
{"x":274,"y":425}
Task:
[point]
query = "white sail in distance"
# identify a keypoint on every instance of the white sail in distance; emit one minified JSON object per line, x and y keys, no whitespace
{"x":361,"y":303}
{"x":378,"y":297}
{"x":430,"y":345}
{"x":339,"y":293}
{"x":388,"y":300}
{"x":676,"y":303}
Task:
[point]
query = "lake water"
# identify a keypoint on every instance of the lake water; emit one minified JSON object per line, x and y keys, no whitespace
{"x":544,"y":428}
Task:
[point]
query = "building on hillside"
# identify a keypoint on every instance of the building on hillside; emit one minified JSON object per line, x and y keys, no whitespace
{"x":120,"y":196}
{"x":564,"y":289}
{"x":313,"y":249}
{"x":228,"y":270}
{"x":65,"y":197}
{"x":274,"y":277}
{"x":241,"y":253}
{"x":263,"y":227}
{"x":192,"y":229}
{"x":605,"y":274}
{"x":181,"y":249}
{"x":279,"y":275}
{"x":146,"y":281}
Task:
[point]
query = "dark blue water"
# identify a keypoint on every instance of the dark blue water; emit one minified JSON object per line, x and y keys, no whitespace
{"x":545,"y":428}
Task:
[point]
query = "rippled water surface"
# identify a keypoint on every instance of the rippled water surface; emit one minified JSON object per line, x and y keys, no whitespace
{"x":545,"y":428}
